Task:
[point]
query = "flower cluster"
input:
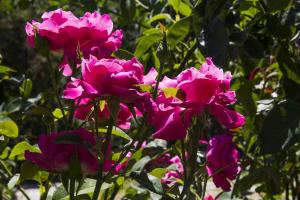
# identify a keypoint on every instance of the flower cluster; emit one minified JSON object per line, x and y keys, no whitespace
{"x":89,"y":42}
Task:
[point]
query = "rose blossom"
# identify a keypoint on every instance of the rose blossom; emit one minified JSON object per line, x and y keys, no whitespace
{"x":197,"y":90}
{"x":90,"y":34}
{"x":222,"y":160}
{"x":56,"y":156}
{"x":107,"y":77}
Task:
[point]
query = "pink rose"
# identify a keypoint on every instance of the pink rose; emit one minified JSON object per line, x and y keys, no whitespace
{"x":222,"y":160}
{"x":90,"y":34}
{"x":197,"y":90}
{"x":107,"y":77}
{"x":56,"y":157}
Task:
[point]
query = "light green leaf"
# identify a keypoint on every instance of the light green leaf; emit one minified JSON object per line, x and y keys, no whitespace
{"x":26,"y":88}
{"x":175,"y":4}
{"x":160,"y":17}
{"x":117,"y":132}
{"x":89,"y":186}
{"x":13,"y":181}
{"x":159,"y":172}
{"x":5,"y":70}
{"x":9,"y":128}
{"x":57,"y":113}
{"x":19,"y":150}
{"x":170,"y":92}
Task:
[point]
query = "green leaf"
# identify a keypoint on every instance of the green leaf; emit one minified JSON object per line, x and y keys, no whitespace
{"x":217,"y":42}
{"x":253,"y":47}
{"x":145,"y":42}
{"x":13,"y":181}
{"x":160,"y":17}
{"x":89,"y":184}
{"x":144,"y":87}
{"x":288,"y":65}
{"x":128,"y":9}
{"x":26,"y":88}
{"x":30,"y":171}
{"x":175,"y":4}
{"x":6,"y":70}
{"x":123,"y":54}
{"x":9,"y":128}
{"x":277,"y":5}
{"x":148,"y":181}
{"x":140,"y":164}
{"x":245,"y":96}
{"x":19,"y":150}
{"x":170,"y":92}
{"x":185,"y":9}
{"x":178,"y":31}
{"x":60,"y":194}
{"x":117,"y":132}
{"x":57,"y":114}
{"x":280,"y":127}
{"x":159,"y":172}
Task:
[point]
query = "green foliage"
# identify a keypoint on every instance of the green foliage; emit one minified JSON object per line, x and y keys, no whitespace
{"x":257,"y":40}
{"x":9,"y":128}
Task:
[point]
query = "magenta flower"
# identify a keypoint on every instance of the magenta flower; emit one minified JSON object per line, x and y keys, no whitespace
{"x":107,"y":77}
{"x":210,"y":197}
{"x":222,"y":160}
{"x":90,"y":34}
{"x":170,"y":122}
{"x":207,"y":88}
{"x":56,"y":157}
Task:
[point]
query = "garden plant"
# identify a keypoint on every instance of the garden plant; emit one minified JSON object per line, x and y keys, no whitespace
{"x":150,"y":99}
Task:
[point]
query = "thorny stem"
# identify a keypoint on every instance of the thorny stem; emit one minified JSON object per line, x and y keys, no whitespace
{"x":187,"y":56}
{"x":100,"y":178}
{"x":183,"y":160}
{"x":204,"y":186}
{"x":72,"y":188}
{"x":243,"y":160}
{"x":55,"y":87}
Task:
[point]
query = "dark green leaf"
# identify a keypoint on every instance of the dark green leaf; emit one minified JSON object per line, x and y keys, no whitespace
{"x":281,"y":125}
{"x":178,"y":31}
{"x":148,"y":181}
{"x":146,"y":41}
{"x":277,"y":5}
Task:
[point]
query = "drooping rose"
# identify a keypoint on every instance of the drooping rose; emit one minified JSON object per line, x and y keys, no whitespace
{"x":222,"y":160}
{"x":57,"y":156}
